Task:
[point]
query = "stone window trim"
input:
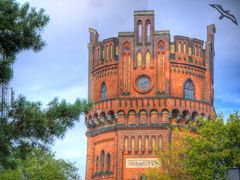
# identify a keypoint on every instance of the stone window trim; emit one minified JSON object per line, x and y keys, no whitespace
{"x":103,"y":91}
{"x":135,"y":84}
{"x":189,"y":92}
{"x":139,"y":32}
{"x":102,"y":160}
{"x":148,"y":32}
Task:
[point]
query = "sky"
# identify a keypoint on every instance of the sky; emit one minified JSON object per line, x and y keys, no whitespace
{"x":60,"y":69}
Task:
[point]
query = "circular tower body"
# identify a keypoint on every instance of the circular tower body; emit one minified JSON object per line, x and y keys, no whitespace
{"x":141,"y":83}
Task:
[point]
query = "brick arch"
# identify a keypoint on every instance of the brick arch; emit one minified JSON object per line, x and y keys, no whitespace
{"x":121,"y":117}
{"x":143,"y":117}
{"x":132,"y":117}
{"x":186,"y":116}
{"x":110,"y":112}
{"x":203,"y":115}
{"x":95,"y":115}
{"x":148,"y":59}
{"x":148,"y":23}
{"x":194,"y":115}
{"x":194,"y":87}
{"x":154,"y":115}
{"x":139,"y":58}
{"x":102,"y":118}
{"x":161,"y":46}
{"x":110,"y":115}
{"x":132,"y":143}
{"x":153,"y":142}
{"x":164,"y":117}
{"x":125,"y":143}
{"x":139,"y":23}
{"x":139,"y":143}
{"x":146,"y":143}
{"x":160,"y":142}
{"x":102,"y":114}
{"x":125,"y":45}
{"x":175,"y":115}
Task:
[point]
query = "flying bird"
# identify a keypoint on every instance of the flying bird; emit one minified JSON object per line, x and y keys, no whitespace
{"x":224,"y":13}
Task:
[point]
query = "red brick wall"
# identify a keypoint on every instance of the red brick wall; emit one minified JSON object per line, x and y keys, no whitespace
{"x":130,"y":113}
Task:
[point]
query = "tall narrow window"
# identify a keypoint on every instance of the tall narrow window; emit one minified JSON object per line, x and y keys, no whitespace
{"x":184,"y":48}
{"x":148,"y":32}
{"x":126,"y":143}
{"x":97,"y":164}
{"x":153,"y":142}
{"x":116,"y":51}
{"x":110,"y":52}
{"x":139,"y":58}
{"x":103,"y":54}
{"x":102,"y":158}
{"x":196,"y":50}
{"x":140,"y":32}
{"x":107,"y":51}
{"x":160,"y":142}
{"x":139,"y":143}
{"x":98,"y":55}
{"x":148,"y":57}
{"x":132,"y":143}
{"x":108,"y":162}
{"x":200,"y":51}
{"x":146,"y":143}
{"x":179,"y":47}
{"x":189,"y":90}
{"x":103,"y":91}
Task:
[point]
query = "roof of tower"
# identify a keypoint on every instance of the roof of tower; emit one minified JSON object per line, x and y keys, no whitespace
{"x":143,"y":12}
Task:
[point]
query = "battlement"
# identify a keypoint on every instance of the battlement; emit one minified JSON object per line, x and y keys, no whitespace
{"x":142,"y":83}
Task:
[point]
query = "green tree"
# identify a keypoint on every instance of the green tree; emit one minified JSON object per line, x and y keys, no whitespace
{"x":20,"y":29}
{"x":41,"y":164}
{"x":27,"y":125}
{"x":208,"y":154}
{"x":172,"y":162}
{"x":216,"y":149}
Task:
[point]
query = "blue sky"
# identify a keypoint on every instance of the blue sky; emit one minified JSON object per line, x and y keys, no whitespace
{"x":60,"y":69}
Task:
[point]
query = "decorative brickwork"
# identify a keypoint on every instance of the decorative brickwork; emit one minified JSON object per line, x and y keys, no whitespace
{"x":142,"y":84}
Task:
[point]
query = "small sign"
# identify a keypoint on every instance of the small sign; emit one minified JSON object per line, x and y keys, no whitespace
{"x":142,"y":163}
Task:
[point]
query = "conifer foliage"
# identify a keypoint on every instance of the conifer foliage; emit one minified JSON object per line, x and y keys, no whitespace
{"x":27,"y":129}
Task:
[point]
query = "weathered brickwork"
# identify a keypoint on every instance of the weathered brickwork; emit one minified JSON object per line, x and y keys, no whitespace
{"x":141,"y":83}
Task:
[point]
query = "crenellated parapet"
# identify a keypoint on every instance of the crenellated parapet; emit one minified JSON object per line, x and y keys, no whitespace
{"x":142,"y":84}
{"x":145,"y":112}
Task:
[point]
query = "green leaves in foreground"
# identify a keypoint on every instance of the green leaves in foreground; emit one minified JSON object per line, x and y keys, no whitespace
{"x":28,"y":125}
{"x":40,"y":164}
{"x":206,"y":154}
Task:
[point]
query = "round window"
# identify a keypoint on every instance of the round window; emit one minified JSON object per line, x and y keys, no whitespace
{"x":143,"y":83}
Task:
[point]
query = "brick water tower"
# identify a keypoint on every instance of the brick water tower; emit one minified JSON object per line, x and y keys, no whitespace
{"x":141,"y":83}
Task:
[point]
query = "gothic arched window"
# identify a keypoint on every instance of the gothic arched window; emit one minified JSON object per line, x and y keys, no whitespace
{"x":153,"y":142}
{"x":126,"y":143}
{"x":139,"y":27}
{"x":139,"y":143}
{"x":146,"y":143}
{"x":189,"y":90}
{"x":148,"y":57}
{"x":103,"y":91}
{"x":148,"y":31}
{"x":102,"y":157}
{"x":179,"y":47}
{"x":132,"y":143}
{"x":160,"y":142}
{"x":139,"y":59}
{"x":97,"y":164}
{"x":108,"y":162}
{"x":184,"y":48}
